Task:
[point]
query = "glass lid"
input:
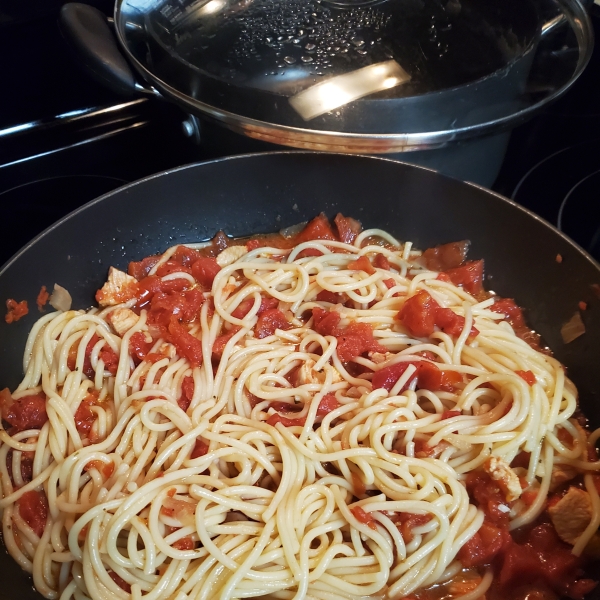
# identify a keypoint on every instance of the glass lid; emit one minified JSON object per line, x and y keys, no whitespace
{"x":366,"y":67}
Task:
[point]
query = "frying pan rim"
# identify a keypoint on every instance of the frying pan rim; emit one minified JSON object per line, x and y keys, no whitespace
{"x":232,"y":158}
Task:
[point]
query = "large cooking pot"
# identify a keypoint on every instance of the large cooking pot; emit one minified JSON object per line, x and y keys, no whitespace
{"x":262,"y":193}
{"x":353,"y":76}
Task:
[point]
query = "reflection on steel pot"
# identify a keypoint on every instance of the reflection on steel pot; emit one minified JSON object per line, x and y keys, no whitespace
{"x":356,"y":77}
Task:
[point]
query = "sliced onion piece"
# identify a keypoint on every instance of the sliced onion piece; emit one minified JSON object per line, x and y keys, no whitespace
{"x":572,"y":329}
{"x":60,"y":299}
{"x":292,"y":230}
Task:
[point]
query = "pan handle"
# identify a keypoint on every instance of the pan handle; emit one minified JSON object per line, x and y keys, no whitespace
{"x":87,"y":31}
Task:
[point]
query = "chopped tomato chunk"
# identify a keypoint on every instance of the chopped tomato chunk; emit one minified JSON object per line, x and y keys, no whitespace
{"x":484,"y":546}
{"x":84,"y":415}
{"x":205,"y":270}
{"x":151,"y":285}
{"x":381,"y":261}
{"x":139,"y":347}
{"x":514,"y":316}
{"x":418,"y":314}
{"x":469,"y":276}
{"x":33,"y":508}
{"x":28,"y":412}
{"x":107,"y":355}
{"x":185,"y":256}
{"x":326,"y":322}
{"x":347,"y":227}
{"x":543,"y":556}
{"x":285,"y":421}
{"x":187,"y":393}
{"x":446,"y":256}
{"x":429,"y":376}
{"x":364,"y":517}
{"x":106,"y":469}
{"x":15,"y":310}
{"x":269,"y":321}
{"x":246,"y":305}
{"x":362,"y":263}
{"x":187,"y":345}
{"x":221,"y":342}
{"x":449,"y":414}
{"x":488,"y":496}
{"x":331,"y":297}
{"x":200,"y":449}
{"x":184,"y":543}
{"x":328,"y":403}
{"x":317,"y":229}
{"x":42,"y":298}
{"x":172,"y":266}
{"x":407,"y":521}
{"x":355,"y":340}
{"x":450,"y":379}
{"x":184,"y":305}
{"x":309,"y":252}
{"x":421,"y":313}
{"x":140,"y":269}
{"x":527,"y":376}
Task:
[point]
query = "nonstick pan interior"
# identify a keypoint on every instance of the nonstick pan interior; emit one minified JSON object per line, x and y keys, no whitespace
{"x":265,"y":192}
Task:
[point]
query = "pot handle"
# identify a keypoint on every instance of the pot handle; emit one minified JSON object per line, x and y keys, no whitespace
{"x":87,"y":31}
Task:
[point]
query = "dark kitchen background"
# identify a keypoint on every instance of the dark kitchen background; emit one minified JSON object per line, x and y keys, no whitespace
{"x":65,"y":139}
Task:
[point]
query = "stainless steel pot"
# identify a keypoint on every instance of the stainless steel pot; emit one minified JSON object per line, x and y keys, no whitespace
{"x":348,"y":76}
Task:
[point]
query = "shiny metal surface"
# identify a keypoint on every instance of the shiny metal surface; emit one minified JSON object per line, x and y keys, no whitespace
{"x":553,"y":62}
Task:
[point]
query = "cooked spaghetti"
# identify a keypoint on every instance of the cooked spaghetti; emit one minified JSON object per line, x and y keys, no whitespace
{"x":331,"y":416}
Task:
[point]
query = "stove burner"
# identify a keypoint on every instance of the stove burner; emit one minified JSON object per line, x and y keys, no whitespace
{"x":579,"y":213}
{"x":560,"y":188}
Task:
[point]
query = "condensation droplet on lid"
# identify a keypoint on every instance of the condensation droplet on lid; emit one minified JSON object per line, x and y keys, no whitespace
{"x":290,"y":60}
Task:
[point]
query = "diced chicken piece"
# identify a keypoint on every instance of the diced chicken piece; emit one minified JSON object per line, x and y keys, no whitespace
{"x":122,"y":320}
{"x":561,"y":474}
{"x":500,"y":471}
{"x":571,"y":514}
{"x":119,"y":288}
{"x":424,"y":451}
{"x":167,"y":350}
{"x":379,"y":357}
{"x":307,"y":374}
{"x":230,"y":255}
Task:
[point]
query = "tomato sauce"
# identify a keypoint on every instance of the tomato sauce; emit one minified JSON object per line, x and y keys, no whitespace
{"x":420,"y":314}
{"x":364,"y":517}
{"x":429,"y":377}
{"x":42,"y":298}
{"x":514,"y":316}
{"x":33,"y":508}
{"x":15,"y":310}
{"x":28,"y":412}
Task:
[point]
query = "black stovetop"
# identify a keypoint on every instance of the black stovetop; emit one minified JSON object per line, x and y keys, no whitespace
{"x":65,"y":139}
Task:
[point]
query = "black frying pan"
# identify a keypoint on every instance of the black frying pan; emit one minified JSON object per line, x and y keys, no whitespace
{"x":265,"y":192}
